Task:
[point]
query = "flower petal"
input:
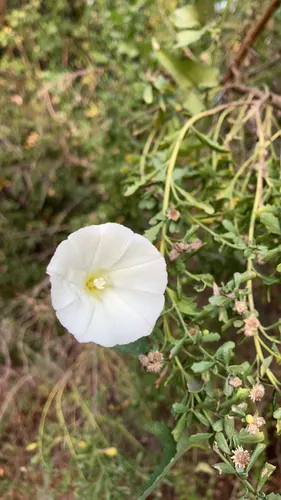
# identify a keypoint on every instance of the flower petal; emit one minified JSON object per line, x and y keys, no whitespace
{"x":67,"y":264}
{"x":150,"y":277}
{"x":139,"y":251}
{"x":114,"y":241}
{"x":63,"y":293}
{"x":85,"y":243}
{"x":77,"y":315}
{"x":114,"y":322}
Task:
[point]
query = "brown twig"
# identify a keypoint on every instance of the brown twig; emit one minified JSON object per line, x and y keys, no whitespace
{"x":251,"y":36}
{"x":275,"y":99}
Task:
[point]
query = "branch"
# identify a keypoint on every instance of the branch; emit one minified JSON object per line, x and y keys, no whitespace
{"x":275,"y":99}
{"x":251,"y":36}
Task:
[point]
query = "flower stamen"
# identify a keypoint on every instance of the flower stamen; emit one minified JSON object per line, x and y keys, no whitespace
{"x":93,"y":284}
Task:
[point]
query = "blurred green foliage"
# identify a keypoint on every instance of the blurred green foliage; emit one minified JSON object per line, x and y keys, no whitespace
{"x":95,"y":95}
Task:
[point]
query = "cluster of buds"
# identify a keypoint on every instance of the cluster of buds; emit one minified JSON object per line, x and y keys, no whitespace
{"x":235,"y":382}
{"x":182,"y":247}
{"x":152,"y":362}
{"x":251,"y":325}
{"x":240,"y":307}
{"x":254,"y":423}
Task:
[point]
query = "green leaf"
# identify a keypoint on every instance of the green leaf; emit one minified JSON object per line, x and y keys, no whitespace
{"x":277,"y":414}
{"x":187,"y":37}
{"x":179,"y":408}
{"x":152,"y":233}
{"x":218,"y":426}
{"x":148,"y":94}
{"x":255,"y":455}
{"x":193,"y":103}
{"x":265,"y":473}
{"x":201,"y":418}
{"x":194,"y":384}
{"x":168,"y":459}
{"x":273,"y":496}
{"x":213,"y":144}
{"x":225,"y":352}
{"x":278,"y":268}
{"x":188,"y":73}
{"x":186,"y":17}
{"x":265,"y":365}
{"x":222,"y":443}
{"x":202,"y":366}
{"x":193,"y":202}
{"x":224,"y":468}
{"x":199,"y":438}
{"x":135,"y":348}
{"x":180,"y":426}
{"x":271,"y":222}
{"x":185,"y":304}
{"x":245,"y":438}
{"x":229,"y":426}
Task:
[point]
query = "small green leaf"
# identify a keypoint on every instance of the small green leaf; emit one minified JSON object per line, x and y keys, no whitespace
{"x":192,"y":201}
{"x":215,"y":146}
{"x":201,"y":418}
{"x":148,"y":94}
{"x":265,"y":473}
{"x":245,"y":438}
{"x":180,"y":426}
{"x":194,"y":384}
{"x":186,"y":17}
{"x":277,"y":414}
{"x":218,"y":426}
{"x":179,"y":408}
{"x":222,"y":443}
{"x":229,"y":426}
{"x":187,"y":37}
{"x":278,"y":268}
{"x":224,"y":468}
{"x":255,"y":455}
{"x":152,"y":233}
{"x":193,"y":103}
{"x":265,"y":365}
{"x":188,"y":73}
{"x":202,"y":366}
{"x":271,"y":222}
{"x":185,"y":305}
{"x":199,"y":438}
{"x":136,"y":348}
{"x":225,"y":352}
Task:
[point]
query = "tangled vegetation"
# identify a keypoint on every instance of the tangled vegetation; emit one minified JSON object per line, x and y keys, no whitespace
{"x":165,"y":117}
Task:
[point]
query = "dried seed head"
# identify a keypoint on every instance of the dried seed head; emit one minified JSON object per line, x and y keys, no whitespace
{"x":240,"y":307}
{"x":152,"y":362}
{"x":235,"y":381}
{"x":251,"y":325}
{"x":143,"y":360}
{"x":181,"y":247}
{"x":257,"y":392}
{"x":252,"y":429}
{"x":259,"y":421}
{"x":173,"y":214}
{"x":240,"y":457}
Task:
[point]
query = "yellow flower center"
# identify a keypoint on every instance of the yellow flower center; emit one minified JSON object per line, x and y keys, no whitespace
{"x":93,"y":283}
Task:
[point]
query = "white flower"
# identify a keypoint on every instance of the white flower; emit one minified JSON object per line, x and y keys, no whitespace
{"x":107,"y":284}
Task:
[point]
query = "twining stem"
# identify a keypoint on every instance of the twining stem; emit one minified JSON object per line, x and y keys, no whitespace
{"x":258,"y":197}
{"x":175,"y":152}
